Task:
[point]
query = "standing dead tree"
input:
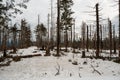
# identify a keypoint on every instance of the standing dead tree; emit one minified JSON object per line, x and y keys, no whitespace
{"x":119,"y":27}
{"x":83,"y":38}
{"x":87,"y":43}
{"x":97,"y":25}
{"x":58,"y":28}
{"x":114,"y":40}
{"x":101,"y":37}
{"x":97,"y":15}
{"x":48,"y":44}
{"x":110,"y":36}
{"x":52,"y":26}
{"x":118,"y":1}
{"x":74,"y":37}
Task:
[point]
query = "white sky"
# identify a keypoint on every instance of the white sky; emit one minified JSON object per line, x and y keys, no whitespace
{"x":42,"y":7}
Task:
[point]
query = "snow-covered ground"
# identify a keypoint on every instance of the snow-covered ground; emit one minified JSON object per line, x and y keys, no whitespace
{"x":47,"y":68}
{"x":28,"y":51}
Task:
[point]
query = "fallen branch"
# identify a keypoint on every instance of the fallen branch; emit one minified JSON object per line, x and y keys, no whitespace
{"x":94,"y":70}
{"x":58,"y":70}
{"x":79,"y":75}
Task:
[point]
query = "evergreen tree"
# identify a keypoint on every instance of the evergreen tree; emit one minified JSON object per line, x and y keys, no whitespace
{"x":25,"y":40}
{"x":66,"y":19}
{"x":8,"y":10}
{"x":40,"y":32}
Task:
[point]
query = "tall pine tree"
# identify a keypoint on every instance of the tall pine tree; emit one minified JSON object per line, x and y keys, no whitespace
{"x":66,"y":19}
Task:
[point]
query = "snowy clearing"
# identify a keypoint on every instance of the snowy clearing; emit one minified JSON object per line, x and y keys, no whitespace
{"x":62,"y":68}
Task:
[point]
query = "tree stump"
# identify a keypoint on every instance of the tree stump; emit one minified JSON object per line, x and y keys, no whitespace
{"x":83,"y":54}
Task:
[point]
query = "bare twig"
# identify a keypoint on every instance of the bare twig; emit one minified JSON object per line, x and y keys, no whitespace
{"x":94,"y":70}
{"x":58,"y":69}
{"x":79,"y":75}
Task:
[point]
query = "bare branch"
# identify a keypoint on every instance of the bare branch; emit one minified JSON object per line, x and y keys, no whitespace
{"x":58,"y":69}
{"x":94,"y":70}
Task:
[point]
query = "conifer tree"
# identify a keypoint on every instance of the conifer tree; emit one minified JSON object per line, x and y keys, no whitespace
{"x":66,"y":19}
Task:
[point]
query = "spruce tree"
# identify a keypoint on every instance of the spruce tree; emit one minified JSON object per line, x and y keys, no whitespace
{"x":66,"y":19}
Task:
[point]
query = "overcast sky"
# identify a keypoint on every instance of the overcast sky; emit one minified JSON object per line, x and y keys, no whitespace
{"x":42,"y":7}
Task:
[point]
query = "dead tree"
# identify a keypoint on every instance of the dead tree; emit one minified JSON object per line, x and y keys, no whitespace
{"x":66,"y":39}
{"x":90,"y":38}
{"x":101,"y":43}
{"x":87,"y":43}
{"x":48,"y":44}
{"x":0,"y":38}
{"x":74,"y":38}
{"x":83,"y":39}
{"x":118,"y":1}
{"x":114,"y":40}
{"x":58,"y":27}
{"x":48,"y":27}
{"x":52,"y":25}
{"x":51,"y":38}
{"x":119,"y":28}
{"x":110,"y":36}
{"x":71,"y":36}
{"x":97,"y":25}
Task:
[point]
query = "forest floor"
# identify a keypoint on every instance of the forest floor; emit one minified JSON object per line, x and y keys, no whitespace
{"x":67,"y":67}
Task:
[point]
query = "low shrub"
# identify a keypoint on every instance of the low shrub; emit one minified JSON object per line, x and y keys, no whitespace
{"x":16,"y":58}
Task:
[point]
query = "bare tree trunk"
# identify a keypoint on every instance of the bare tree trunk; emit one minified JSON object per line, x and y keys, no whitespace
{"x":119,"y":28}
{"x":19,"y":40}
{"x":48,"y":29}
{"x":90,"y":38}
{"x":51,"y":40}
{"x":97,"y":24}
{"x":110,"y":36}
{"x":47,"y":49}
{"x":83,"y":40}
{"x":101,"y":38}
{"x":58,"y":27}
{"x":74,"y":38}
{"x":87,"y":44}
{"x":114,"y":41}
{"x":71,"y":37}
{"x":0,"y":39}
{"x":66,"y":39}
{"x":52,"y":25}
{"x":4,"y":43}
{"x":14,"y":42}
